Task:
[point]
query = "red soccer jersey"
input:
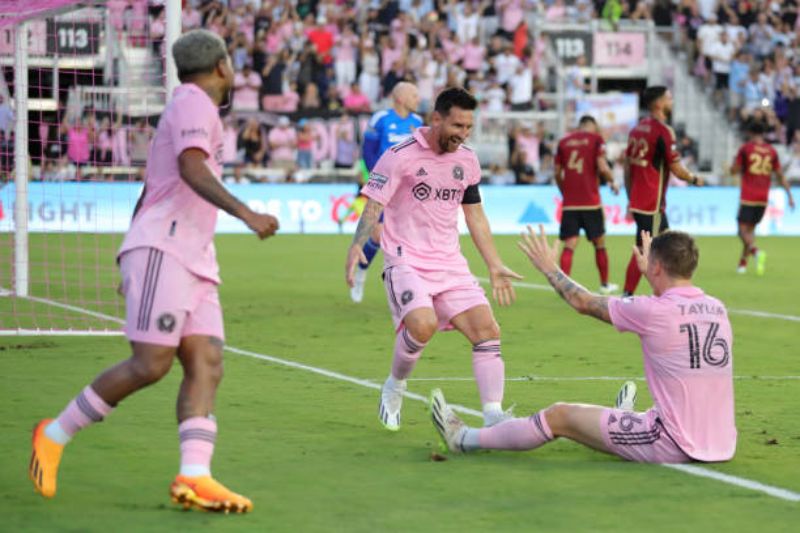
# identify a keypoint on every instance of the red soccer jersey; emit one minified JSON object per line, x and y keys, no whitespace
{"x":758,"y":160}
{"x":651,"y":149}
{"x":577,"y":155}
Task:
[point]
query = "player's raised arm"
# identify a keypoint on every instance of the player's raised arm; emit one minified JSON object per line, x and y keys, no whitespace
{"x":366,"y":224}
{"x":198,"y":175}
{"x":544,"y":258}
{"x":499,"y":274}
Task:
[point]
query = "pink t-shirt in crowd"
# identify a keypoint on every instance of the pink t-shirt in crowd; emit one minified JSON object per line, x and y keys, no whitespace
{"x":388,"y":57}
{"x":346,"y":48}
{"x":173,"y":218}
{"x":282,"y":136}
{"x":78,"y":144}
{"x":473,"y":57}
{"x":512,"y":14}
{"x":245,"y":93}
{"x":688,"y":362}
{"x":354,"y":101}
{"x":421,"y":192}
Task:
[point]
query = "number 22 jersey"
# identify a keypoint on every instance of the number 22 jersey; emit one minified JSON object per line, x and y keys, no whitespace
{"x":651,"y":150}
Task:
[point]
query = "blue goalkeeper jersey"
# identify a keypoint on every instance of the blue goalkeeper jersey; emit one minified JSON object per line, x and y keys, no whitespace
{"x":387,"y":128}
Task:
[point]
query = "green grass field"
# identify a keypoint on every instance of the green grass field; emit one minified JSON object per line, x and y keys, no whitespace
{"x":309,"y":450}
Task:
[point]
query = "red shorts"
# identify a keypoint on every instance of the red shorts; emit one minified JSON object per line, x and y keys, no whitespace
{"x":448,"y":293}
{"x":164,"y":301}
{"x":639,"y":437}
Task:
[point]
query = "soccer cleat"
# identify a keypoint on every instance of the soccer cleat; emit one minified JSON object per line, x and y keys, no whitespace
{"x":451,"y":429}
{"x":626,"y":398}
{"x":357,"y":291}
{"x":609,"y":288}
{"x":741,"y":269}
{"x":390,"y":404}
{"x":45,"y":458}
{"x":761,"y":262}
{"x":207,"y":494}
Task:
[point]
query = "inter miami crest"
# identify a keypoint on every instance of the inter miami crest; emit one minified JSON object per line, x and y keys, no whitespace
{"x":458,"y":173}
{"x":166,"y":323}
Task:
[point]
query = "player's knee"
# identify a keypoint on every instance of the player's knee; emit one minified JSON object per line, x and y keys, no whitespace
{"x":215,"y":367}
{"x":147,"y":370}
{"x":490,"y":331}
{"x":422,"y":329}
{"x":558,"y":418}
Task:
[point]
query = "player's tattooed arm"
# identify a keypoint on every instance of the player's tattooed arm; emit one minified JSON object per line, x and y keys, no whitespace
{"x":544,"y":257}
{"x":578,"y":296}
{"x":367,"y":222}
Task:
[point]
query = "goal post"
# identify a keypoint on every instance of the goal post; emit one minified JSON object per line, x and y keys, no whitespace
{"x":90,"y":79}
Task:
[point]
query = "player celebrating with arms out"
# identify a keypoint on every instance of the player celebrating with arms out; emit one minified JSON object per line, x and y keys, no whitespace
{"x":387,"y":128}
{"x":650,"y":157}
{"x":421,"y":185}
{"x":756,"y":161}
{"x":688,"y":363}
{"x":580,"y":159}
{"x":169,"y":280}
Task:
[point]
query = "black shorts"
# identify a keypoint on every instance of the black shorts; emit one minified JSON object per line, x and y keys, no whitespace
{"x":645,"y":223}
{"x":591,"y":220}
{"x":751,"y":214}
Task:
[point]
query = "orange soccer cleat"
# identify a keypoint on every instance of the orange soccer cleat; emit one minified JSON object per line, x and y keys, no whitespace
{"x":45,"y":459}
{"x":207,"y":494}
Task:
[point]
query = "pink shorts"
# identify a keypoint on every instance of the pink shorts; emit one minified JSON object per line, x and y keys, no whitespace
{"x":448,"y":293}
{"x":164,"y":302}
{"x":639,"y":437}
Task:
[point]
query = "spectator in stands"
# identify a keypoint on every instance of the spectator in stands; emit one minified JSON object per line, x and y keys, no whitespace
{"x":6,"y":116}
{"x":311,"y":102}
{"x":103,"y":143}
{"x":505,"y":64}
{"x":394,"y":76}
{"x":273,"y":80}
{"x":246,"y":85}
{"x":793,"y":113}
{"x":79,"y":143}
{"x":346,"y":146}
{"x":791,"y":167}
{"x":575,"y":85}
{"x":721,"y":54}
{"x":356,"y":101}
{"x":305,"y":144}
{"x":761,"y":37}
{"x":369,"y":80}
{"x":739,"y":72}
{"x":139,"y":143}
{"x":526,"y":158}
{"x":755,"y":94}
{"x":190,"y":17}
{"x":495,"y":97}
{"x":283,"y":145}
{"x":521,"y":89}
{"x":474,"y":53}
{"x":346,"y":48}
{"x":512,"y":13}
{"x":253,"y":143}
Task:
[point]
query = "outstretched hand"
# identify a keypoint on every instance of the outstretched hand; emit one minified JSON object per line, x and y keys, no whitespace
{"x":502,"y":288}
{"x":543,"y":256}
{"x":644,"y":253}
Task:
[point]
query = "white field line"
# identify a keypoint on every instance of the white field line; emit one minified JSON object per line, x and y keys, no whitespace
{"x":747,"y":312}
{"x":775,"y":492}
{"x":597,"y":378}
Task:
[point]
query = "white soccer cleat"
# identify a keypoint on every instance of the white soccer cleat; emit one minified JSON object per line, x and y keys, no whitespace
{"x":626,"y":399}
{"x":741,"y":269}
{"x":391,"y":403}
{"x":357,"y":291}
{"x":609,"y":288}
{"x":451,"y":429}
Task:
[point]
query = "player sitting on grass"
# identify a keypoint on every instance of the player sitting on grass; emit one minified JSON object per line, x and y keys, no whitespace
{"x":686,"y":339}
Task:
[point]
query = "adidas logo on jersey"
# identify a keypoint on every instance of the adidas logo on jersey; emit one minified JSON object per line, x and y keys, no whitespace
{"x":421,"y":172}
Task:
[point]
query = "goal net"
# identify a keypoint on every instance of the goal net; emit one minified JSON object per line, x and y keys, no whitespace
{"x":82,"y":87}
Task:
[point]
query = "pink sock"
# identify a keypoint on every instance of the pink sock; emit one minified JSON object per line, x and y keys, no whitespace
{"x":407,"y":350}
{"x":489,"y":370}
{"x":86,"y":408}
{"x":517,"y":434}
{"x":197,"y":436}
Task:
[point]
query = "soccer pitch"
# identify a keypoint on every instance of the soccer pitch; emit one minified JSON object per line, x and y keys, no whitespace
{"x":299,"y":434}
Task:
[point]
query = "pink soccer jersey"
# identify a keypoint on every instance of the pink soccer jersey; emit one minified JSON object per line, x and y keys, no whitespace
{"x":422,"y":192}
{"x":172,"y":217}
{"x":688,"y":362}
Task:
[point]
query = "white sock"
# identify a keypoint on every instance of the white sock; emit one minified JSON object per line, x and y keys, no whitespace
{"x":470,"y":442}
{"x":56,"y":433}
{"x":195,"y":470}
{"x":492,"y":409}
{"x":395,"y":383}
